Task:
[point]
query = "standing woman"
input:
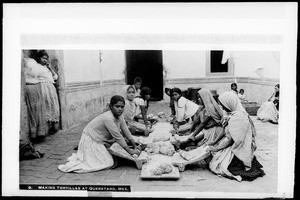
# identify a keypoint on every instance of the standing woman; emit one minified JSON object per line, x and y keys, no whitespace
{"x":207,"y":125}
{"x":234,"y":88}
{"x":137,"y":83}
{"x":41,"y":95}
{"x":97,"y":136}
{"x":233,"y":150}
{"x":185,"y":110}
{"x":269,"y":110}
{"x":128,"y":92}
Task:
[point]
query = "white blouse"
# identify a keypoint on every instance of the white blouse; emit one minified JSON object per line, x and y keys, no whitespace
{"x":185,"y":109}
{"x":37,"y":73}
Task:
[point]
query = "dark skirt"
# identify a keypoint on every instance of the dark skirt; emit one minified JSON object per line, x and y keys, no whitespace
{"x":237,"y":168}
{"x":36,"y":111}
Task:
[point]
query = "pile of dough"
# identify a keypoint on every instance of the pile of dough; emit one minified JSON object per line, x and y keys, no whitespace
{"x":165,"y":148}
{"x":161,"y":132}
{"x":160,"y":168}
{"x":168,"y":149}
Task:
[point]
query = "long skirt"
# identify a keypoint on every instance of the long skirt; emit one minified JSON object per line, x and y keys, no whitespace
{"x":91,"y":156}
{"x":268,"y":112}
{"x":36,"y":111}
{"x":51,"y":101}
{"x":226,"y":164}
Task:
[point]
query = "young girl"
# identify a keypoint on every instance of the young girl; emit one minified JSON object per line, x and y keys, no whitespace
{"x":185,"y":110}
{"x":97,"y":136}
{"x":131,"y":106}
{"x":242,"y":96}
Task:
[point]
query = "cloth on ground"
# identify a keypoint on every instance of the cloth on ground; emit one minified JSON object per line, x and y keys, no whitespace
{"x":27,"y":151}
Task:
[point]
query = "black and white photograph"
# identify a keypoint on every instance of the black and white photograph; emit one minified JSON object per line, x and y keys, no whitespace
{"x":139,"y":100}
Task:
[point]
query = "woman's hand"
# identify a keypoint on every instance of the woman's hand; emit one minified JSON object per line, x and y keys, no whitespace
{"x":176,"y":125}
{"x":225,"y":121}
{"x":173,"y":132}
{"x":147,"y":131}
{"x":212,"y":149}
{"x":211,"y":143}
{"x":135,"y":151}
{"x":192,"y":138}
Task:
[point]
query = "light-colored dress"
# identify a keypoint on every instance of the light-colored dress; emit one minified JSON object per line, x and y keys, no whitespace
{"x":131,"y":109}
{"x":242,"y":97}
{"x":40,"y":74}
{"x":41,"y":97}
{"x":139,"y":102}
{"x":99,"y":134}
{"x":268,"y":112}
{"x":242,"y":131}
{"x":185,"y":109}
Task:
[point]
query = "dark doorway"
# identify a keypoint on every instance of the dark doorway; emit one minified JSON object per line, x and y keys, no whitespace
{"x":148,"y":65}
{"x":215,"y":62}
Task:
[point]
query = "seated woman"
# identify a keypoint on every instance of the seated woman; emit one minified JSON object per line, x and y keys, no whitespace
{"x":233,"y":150}
{"x":207,"y":122}
{"x":269,"y":110}
{"x":185,"y":110}
{"x":97,"y":136}
{"x":143,"y":104}
{"x":242,"y":96}
{"x":128,"y":92}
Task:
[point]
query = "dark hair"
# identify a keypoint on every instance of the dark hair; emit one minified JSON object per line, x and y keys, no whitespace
{"x":242,"y":90}
{"x":277,"y":93}
{"x":177,"y":90}
{"x":137,"y":80}
{"x":115,"y":99}
{"x":37,"y":54}
{"x":233,"y":84}
{"x":145,"y":91}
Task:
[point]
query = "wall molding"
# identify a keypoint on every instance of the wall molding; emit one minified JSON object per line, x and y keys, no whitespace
{"x":205,"y":80}
{"x":90,"y":85}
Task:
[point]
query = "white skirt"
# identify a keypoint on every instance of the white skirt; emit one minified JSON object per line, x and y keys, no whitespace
{"x":91,"y":156}
{"x":268,"y":112}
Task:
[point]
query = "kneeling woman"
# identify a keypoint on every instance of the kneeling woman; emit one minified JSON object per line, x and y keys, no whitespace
{"x":185,"y":110}
{"x":207,"y":125}
{"x":234,"y":154}
{"x":97,"y":136}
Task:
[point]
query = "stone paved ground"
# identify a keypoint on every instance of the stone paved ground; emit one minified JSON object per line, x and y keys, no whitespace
{"x":60,"y":146}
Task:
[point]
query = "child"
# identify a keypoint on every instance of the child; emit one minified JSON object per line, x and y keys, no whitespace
{"x":242,"y":96}
{"x":137,"y":85}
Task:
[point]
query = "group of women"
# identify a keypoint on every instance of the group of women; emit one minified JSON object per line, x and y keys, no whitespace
{"x":224,"y":126}
{"x":228,"y":131}
{"x":117,"y":123}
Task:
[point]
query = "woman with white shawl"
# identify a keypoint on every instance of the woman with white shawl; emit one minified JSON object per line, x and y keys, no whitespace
{"x":233,"y":150}
{"x":130,"y":110}
{"x":207,"y":125}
